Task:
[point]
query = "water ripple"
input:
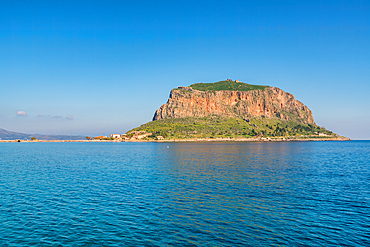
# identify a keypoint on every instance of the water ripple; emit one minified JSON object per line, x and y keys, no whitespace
{"x":199,"y":194}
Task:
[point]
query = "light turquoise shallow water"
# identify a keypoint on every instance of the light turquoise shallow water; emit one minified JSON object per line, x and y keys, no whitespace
{"x":198,"y":194}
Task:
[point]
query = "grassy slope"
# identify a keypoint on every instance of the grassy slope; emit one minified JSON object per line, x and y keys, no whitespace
{"x":216,"y":126}
{"x":226,"y":85}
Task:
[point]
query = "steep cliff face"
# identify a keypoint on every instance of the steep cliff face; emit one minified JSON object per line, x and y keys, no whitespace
{"x":271,"y":102}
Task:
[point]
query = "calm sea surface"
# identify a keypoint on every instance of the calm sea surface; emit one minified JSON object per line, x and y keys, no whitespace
{"x":197,"y":194}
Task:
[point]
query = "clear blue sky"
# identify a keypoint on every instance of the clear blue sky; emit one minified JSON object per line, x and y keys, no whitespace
{"x":101,"y":67}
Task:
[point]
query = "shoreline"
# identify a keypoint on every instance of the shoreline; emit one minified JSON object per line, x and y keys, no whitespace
{"x":243,"y":140}
{"x":195,"y":140}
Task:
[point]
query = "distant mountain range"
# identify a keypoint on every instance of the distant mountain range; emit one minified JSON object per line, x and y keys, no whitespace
{"x":10,"y":135}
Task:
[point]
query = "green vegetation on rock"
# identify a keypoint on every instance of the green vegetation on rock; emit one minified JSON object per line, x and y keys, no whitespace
{"x":226,"y":85}
{"x":224,"y":127}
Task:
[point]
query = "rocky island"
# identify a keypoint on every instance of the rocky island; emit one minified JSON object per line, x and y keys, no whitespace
{"x":232,"y":110}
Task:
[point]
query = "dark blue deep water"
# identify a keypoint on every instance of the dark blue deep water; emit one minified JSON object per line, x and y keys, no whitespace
{"x":189,"y":194}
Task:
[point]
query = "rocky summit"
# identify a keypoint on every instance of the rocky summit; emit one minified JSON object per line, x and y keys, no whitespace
{"x":233,"y":99}
{"x":232,"y":110}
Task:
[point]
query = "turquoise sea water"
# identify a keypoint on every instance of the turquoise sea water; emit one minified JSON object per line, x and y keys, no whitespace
{"x":181,"y":194}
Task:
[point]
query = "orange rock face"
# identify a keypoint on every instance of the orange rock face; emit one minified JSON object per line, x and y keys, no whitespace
{"x":271,"y":102}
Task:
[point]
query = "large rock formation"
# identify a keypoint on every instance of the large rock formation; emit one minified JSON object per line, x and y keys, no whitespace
{"x":271,"y":102}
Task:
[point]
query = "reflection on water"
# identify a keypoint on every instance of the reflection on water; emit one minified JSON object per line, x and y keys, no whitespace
{"x":189,"y":194}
